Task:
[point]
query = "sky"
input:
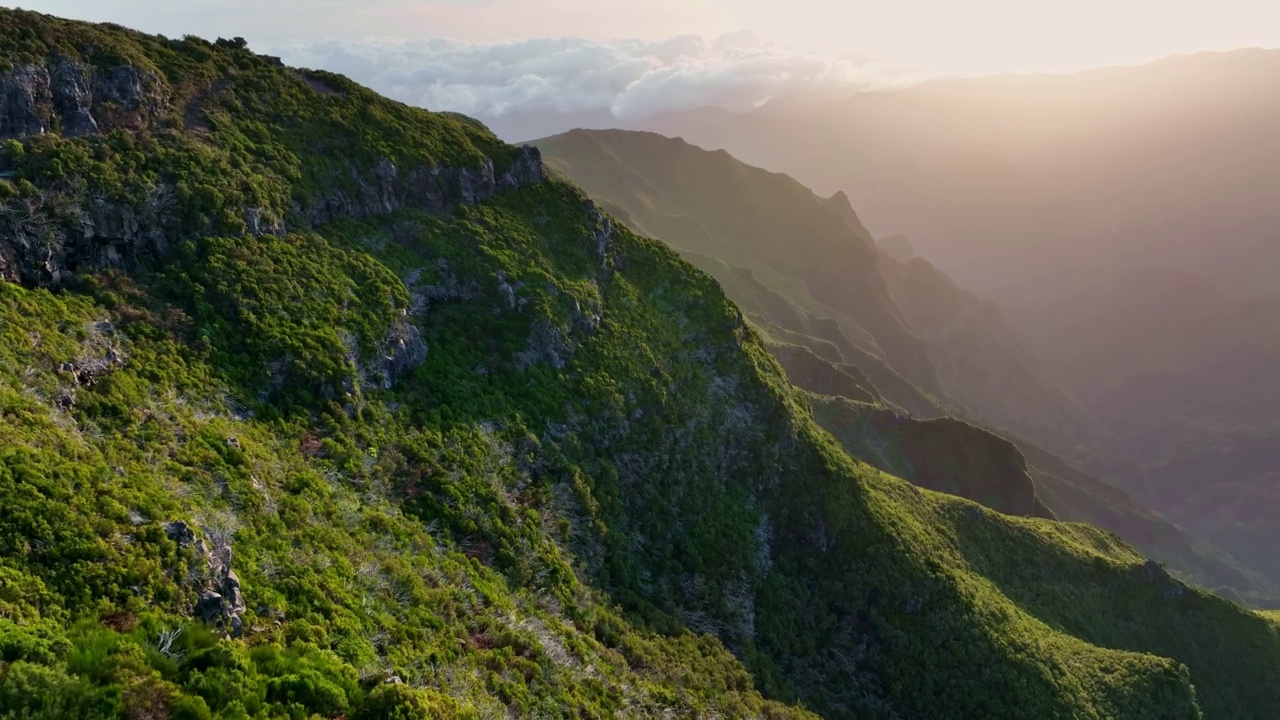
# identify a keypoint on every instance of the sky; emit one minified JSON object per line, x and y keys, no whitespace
{"x":629,"y":57}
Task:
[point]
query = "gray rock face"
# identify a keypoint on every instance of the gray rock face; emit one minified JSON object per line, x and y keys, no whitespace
{"x":209,"y":607}
{"x":73,"y":98}
{"x":602,"y":232}
{"x":181,"y":533}
{"x":220,"y":599}
{"x":24,"y":93}
{"x":76,"y":99}
{"x":406,"y":351}
{"x":53,"y":236}
{"x":526,"y":170}
{"x":231,"y":593}
{"x":433,"y":188}
{"x":546,"y":344}
{"x":46,"y":238}
{"x":223,"y":605}
{"x":260,"y":221}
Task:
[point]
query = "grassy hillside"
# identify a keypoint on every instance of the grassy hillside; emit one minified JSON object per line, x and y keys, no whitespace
{"x":457,"y":445}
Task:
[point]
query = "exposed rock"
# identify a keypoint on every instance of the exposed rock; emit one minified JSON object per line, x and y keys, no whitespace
{"x":24,"y":98}
{"x":181,"y":533}
{"x":586,"y":321}
{"x":387,"y":188}
{"x":406,"y":350}
{"x":1154,"y":573}
{"x":527,"y":169}
{"x":72,"y":98}
{"x":77,"y":99}
{"x":602,"y":232}
{"x":221,"y":602}
{"x":546,"y":344}
{"x":209,"y":607}
{"x":260,"y":221}
{"x":100,"y":353}
{"x":504,"y":288}
{"x":231,"y":593}
{"x":955,"y":457}
{"x":46,"y":239}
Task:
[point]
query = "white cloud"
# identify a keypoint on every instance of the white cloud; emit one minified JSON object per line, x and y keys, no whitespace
{"x":630,"y":78}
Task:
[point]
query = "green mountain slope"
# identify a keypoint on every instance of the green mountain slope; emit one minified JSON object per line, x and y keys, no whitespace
{"x":696,"y":201}
{"x":711,"y":204}
{"x":992,"y":378}
{"x":405,"y":429}
{"x":1059,"y":198}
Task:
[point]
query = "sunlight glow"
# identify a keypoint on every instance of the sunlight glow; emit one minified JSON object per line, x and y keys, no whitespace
{"x":980,"y":36}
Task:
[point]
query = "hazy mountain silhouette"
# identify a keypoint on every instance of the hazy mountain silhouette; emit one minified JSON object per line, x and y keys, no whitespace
{"x":1126,"y":220}
{"x":747,"y":227}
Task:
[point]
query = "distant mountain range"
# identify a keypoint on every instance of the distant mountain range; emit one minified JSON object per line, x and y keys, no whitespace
{"x":753,"y":229}
{"x":1125,"y":220}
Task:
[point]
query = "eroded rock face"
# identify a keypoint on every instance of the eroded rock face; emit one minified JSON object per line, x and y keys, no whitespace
{"x":546,"y":344}
{"x":23,"y":96}
{"x":386,"y":188}
{"x":219,"y":598}
{"x":406,"y":350}
{"x":602,"y":233}
{"x":181,"y":533}
{"x":52,"y":236}
{"x":76,"y":99}
{"x":47,"y":237}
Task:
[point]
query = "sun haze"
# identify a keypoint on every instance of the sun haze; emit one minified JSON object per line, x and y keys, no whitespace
{"x":981,"y":36}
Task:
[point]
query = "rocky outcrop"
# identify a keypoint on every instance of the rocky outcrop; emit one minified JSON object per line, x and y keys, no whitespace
{"x":943,"y":454}
{"x":75,"y":99}
{"x":546,"y":344}
{"x":220,"y":598}
{"x":56,"y":232}
{"x":602,"y":233}
{"x":224,"y":606}
{"x":808,"y":371}
{"x":46,"y":238}
{"x":404,"y":350}
{"x":386,"y":188}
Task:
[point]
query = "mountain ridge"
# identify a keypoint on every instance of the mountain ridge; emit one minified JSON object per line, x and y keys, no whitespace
{"x":971,"y":345}
{"x":502,"y":458}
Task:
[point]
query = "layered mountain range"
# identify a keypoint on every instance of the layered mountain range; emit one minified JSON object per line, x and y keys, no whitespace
{"x":1125,"y":222}
{"x":978,"y":367}
{"x":318,"y":405}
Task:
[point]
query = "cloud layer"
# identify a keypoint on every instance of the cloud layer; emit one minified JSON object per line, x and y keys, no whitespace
{"x":630,"y":78}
